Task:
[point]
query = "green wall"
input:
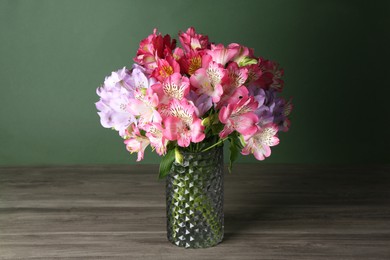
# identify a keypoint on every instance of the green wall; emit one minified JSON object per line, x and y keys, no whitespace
{"x":53,"y":55}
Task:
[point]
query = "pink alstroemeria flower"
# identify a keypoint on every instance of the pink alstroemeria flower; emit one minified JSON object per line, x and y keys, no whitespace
{"x":165,"y":68}
{"x":144,"y":106}
{"x":152,"y":48}
{"x":236,"y":96}
{"x":190,"y":62}
{"x":178,"y":53}
{"x":271,"y":75}
{"x":182,"y":124}
{"x":209,"y":79}
{"x":222,"y":55}
{"x":254,"y":74}
{"x":154,"y":132}
{"x":244,"y":54}
{"x":135,"y":142}
{"x":235,"y":79}
{"x":190,"y":40}
{"x":175,"y":86}
{"x":259,"y":144}
{"x":240,"y":117}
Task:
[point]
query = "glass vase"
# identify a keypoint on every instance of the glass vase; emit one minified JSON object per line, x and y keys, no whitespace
{"x":194,"y":196}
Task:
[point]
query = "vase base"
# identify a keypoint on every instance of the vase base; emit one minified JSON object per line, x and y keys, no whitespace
{"x":196,"y":245}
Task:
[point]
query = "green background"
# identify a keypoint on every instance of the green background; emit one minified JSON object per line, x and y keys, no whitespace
{"x":54,"y":54}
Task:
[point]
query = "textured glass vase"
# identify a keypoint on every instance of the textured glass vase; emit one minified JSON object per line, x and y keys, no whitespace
{"x":194,"y":194}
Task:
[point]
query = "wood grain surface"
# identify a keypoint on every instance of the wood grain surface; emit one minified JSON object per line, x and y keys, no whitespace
{"x":271,"y":212}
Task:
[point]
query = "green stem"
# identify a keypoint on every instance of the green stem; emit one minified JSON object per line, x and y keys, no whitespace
{"x":217,"y":143}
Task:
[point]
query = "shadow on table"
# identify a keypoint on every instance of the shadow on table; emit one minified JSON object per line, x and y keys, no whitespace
{"x":282,"y":198}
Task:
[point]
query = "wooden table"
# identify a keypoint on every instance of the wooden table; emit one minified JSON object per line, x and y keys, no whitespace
{"x":271,"y":212}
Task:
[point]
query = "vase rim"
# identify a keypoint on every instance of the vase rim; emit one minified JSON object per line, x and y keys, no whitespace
{"x":182,"y":149}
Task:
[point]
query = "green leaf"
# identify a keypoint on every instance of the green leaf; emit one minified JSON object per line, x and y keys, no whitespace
{"x":236,"y":145}
{"x":166,"y":163}
{"x":233,"y":155}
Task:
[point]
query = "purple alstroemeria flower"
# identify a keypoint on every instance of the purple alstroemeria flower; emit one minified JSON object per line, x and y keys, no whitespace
{"x":139,"y":79}
{"x":202,"y":102}
{"x":114,"y":95}
{"x":117,"y":79}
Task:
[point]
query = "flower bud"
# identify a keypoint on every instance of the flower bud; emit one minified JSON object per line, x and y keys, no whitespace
{"x":242,"y":140}
{"x":206,"y":122}
{"x":178,"y":156}
{"x":247,"y":61}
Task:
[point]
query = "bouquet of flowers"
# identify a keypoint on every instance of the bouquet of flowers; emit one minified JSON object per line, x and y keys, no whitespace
{"x":195,"y":97}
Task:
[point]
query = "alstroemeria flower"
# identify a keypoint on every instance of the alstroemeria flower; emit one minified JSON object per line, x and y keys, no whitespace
{"x":115,"y":95}
{"x":222,"y":55}
{"x":175,"y":86}
{"x":239,"y":117}
{"x":144,"y":106}
{"x":139,"y":78}
{"x":202,"y":103}
{"x":271,"y":76}
{"x":152,"y":48}
{"x":154,"y":132}
{"x":259,"y":144}
{"x":190,"y":40}
{"x":117,"y":79}
{"x":244,"y":55}
{"x":182,"y":124}
{"x":234,"y":97}
{"x":264,"y":110}
{"x":190,"y":62}
{"x":208,"y":79}
{"x":254,"y":73}
{"x":281,"y":112}
{"x":173,"y":95}
{"x":165,"y":68}
{"x":178,"y":53}
{"x":235,"y":79}
{"x":135,"y":142}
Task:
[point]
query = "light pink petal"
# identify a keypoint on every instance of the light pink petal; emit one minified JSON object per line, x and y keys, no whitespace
{"x":274,"y":141}
{"x":137,"y":144}
{"x":225,"y":113}
{"x":267,"y":150}
{"x":199,"y":79}
{"x":156,"y":117}
{"x":136,"y":107}
{"x":184,"y":140}
{"x":246,"y":124}
{"x":216,"y":94}
{"x":259,"y":154}
{"x":197,"y":134}
{"x":206,"y":59}
{"x":158,"y":90}
{"x":227,"y":130}
{"x":234,"y":97}
{"x":245,"y":151}
{"x":140,"y":155}
{"x":222,"y":55}
{"x":171,"y":129}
